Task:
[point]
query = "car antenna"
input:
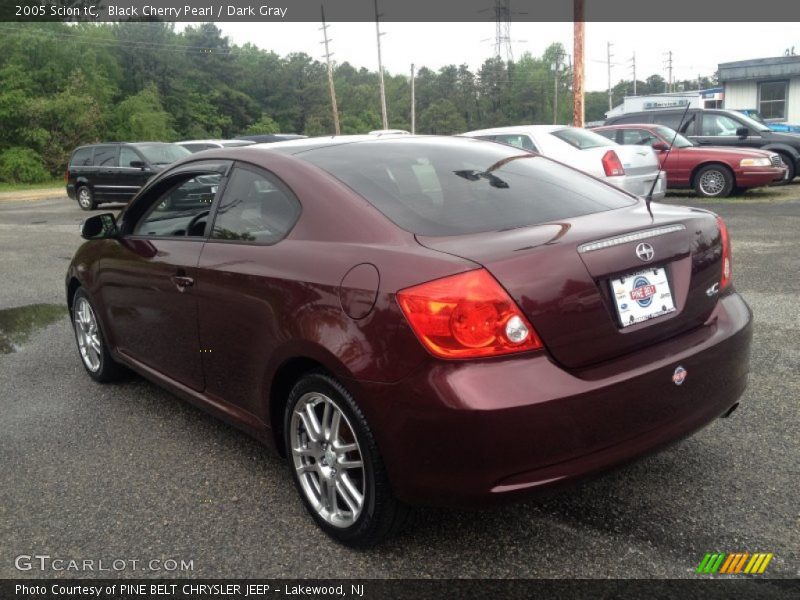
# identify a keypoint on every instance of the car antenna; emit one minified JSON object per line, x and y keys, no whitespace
{"x":649,"y":198}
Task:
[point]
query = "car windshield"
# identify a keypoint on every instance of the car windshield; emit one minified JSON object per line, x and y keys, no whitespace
{"x":441,"y":186}
{"x":669,"y":134}
{"x":756,"y":116}
{"x":162,"y":154}
{"x":581,"y":139}
{"x":751,"y":123}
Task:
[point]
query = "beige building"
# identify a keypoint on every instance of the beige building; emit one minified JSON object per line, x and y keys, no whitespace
{"x":769,"y":85}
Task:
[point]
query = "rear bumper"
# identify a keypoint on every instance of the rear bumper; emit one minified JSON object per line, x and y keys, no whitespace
{"x":71,"y":190}
{"x":756,"y":177}
{"x":472,"y":433}
{"x":640,"y":185}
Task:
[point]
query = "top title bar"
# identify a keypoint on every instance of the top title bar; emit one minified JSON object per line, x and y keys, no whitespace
{"x":712,"y":11}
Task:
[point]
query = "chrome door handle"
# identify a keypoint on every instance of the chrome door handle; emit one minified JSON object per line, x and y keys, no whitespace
{"x":182,"y":282}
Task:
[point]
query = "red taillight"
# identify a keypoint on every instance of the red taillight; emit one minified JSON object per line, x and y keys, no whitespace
{"x":468,"y":315}
{"x":612,"y":165}
{"x":727,"y":267}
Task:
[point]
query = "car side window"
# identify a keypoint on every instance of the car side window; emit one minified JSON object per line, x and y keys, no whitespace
{"x":675,"y":120}
{"x":719,"y":125}
{"x":82,"y":158}
{"x":638,"y":137}
{"x":127,"y":156}
{"x":255,"y":207}
{"x":611,"y":134}
{"x":181,"y":210}
{"x":518,"y":141}
{"x":105,"y":156}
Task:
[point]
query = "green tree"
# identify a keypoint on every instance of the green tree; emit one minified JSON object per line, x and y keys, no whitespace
{"x":263,"y":126}
{"x":442,"y":118}
{"x":142,"y":117}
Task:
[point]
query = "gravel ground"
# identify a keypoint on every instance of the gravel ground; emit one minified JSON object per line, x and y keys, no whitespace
{"x":129,"y":472}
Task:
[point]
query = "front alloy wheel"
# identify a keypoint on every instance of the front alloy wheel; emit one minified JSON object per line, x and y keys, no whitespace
{"x":336,"y":465}
{"x":714,"y":182}
{"x":91,"y":343}
{"x":87,"y":334}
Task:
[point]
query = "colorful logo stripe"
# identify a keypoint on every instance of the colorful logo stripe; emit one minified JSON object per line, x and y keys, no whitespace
{"x":736,"y":562}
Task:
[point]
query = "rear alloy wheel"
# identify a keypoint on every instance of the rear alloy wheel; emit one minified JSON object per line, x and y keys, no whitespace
{"x":713,"y":181}
{"x":787,"y":162}
{"x":336,"y":465}
{"x":86,"y":198}
{"x":91,"y":344}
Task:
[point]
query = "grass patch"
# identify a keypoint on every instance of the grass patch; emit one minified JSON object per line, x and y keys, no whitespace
{"x":25,"y":187}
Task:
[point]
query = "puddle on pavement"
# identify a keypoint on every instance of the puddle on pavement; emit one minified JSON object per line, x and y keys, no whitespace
{"x":17,"y":324}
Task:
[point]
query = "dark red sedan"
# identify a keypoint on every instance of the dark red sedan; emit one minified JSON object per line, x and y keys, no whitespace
{"x":416,"y":319}
{"x":713,"y":172}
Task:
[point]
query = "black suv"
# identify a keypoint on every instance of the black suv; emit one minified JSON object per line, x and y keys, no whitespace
{"x":717,"y":127}
{"x":114,"y":172}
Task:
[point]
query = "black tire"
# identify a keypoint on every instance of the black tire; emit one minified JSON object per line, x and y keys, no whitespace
{"x":714,"y":181}
{"x":381,"y":514}
{"x":107,"y":369}
{"x":791,"y":169}
{"x":85,"y":198}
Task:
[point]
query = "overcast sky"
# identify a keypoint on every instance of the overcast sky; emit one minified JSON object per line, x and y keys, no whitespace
{"x":697,"y":48}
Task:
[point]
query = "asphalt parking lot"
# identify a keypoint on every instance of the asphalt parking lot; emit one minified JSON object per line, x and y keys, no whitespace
{"x":129,"y":472}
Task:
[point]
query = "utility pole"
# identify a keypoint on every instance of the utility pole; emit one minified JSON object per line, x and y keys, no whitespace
{"x":608,"y":51}
{"x":669,"y":70}
{"x":330,"y":73}
{"x":380,"y":67}
{"x":556,"y":66}
{"x":555,"y":91}
{"x":633,"y":66}
{"x":413,"y":104}
{"x":577,"y":72}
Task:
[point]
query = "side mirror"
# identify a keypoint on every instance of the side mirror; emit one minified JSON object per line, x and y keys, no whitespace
{"x":742,"y":132}
{"x":137,"y":164}
{"x":660,"y":146}
{"x":99,"y":227}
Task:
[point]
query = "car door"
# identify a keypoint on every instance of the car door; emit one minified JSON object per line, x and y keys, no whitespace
{"x":718,"y":129}
{"x":244,"y":285}
{"x":133,"y":172}
{"x":671,"y":162}
{"x":148,"y":283}
{"x":104,"y":178}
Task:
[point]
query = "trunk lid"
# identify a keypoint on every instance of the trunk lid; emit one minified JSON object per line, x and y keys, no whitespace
{"x":637,"y":160}
{"x":560,"y":275}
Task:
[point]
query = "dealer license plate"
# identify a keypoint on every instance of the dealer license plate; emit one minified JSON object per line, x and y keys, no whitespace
{"x":642,"y":295}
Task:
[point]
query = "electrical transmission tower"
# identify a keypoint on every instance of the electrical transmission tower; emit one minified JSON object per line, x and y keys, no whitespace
{"x":502,"y":38}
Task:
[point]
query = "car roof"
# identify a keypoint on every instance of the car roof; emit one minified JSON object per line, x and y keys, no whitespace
{"x":515,"y":128}
{"x":220,"y":141}
{"x":271,"y":137}
{"x":628,"y":125}
{"x":304,"y":144}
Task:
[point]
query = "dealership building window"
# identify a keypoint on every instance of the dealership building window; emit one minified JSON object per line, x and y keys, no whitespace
{"x":772,"y":99}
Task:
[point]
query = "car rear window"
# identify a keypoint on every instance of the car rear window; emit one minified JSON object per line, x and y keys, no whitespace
{"x":455,"y":186}
{"x":82,"y":157}
{"x":581,"y":139}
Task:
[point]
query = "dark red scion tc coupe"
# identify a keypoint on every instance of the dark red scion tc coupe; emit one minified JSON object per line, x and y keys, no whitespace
{"x":415,"y":319}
